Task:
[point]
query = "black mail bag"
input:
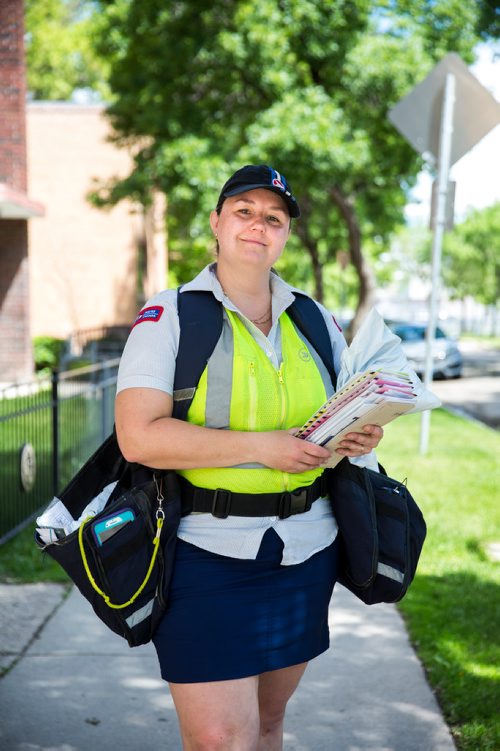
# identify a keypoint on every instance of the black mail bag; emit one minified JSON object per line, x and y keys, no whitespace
{"x":125,"y":577}
{"x":381,"y":532}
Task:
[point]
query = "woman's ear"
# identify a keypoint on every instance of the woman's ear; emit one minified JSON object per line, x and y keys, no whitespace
{"x":214,"y":221}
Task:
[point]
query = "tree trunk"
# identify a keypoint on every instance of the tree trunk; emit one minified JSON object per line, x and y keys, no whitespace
{"x":312,"y":249}
{"x":155,"y":232}
{"x":367,"y":285}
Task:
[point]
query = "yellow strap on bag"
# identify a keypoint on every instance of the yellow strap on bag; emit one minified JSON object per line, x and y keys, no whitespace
{"x":160,"y":516}
{"x":156,"y":543}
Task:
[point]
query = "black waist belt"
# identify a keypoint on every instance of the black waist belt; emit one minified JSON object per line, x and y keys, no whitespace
{"x":223,"y":503}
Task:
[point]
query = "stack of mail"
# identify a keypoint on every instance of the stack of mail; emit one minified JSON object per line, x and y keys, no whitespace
{"x":373,"y":397}
{"x":56,"y":522}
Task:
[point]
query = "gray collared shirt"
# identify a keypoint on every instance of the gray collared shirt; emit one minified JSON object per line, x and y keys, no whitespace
{"x":148,"y":361}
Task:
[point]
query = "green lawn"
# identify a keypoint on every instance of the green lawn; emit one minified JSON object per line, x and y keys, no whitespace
{"x":488,"y":341}
{"x":452,"y":609}
{"x":28,"y":419}
{"x":22,"y":562}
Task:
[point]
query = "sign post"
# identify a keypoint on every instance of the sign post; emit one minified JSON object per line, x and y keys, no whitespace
{"x":445,"y":141}
{"x":443,"y":117}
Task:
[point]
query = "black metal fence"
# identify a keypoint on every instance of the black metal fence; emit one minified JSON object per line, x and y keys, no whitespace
{"x":48,"y":428}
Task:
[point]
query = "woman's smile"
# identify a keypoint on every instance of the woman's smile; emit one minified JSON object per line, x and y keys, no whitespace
{"x":253,"y":241}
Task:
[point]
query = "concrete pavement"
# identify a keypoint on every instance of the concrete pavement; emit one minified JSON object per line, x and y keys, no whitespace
{"x":75,"y":686}
{"x":477,"y":394}
{"x":72,"y":685}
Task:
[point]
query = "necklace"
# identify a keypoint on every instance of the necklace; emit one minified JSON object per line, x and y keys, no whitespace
{"x":263,"y":319}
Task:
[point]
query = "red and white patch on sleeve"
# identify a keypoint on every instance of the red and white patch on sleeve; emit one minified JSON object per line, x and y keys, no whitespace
{"x":153,"y":314}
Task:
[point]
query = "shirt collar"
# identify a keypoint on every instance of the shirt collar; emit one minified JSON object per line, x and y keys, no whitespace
{"x":206,"y":281}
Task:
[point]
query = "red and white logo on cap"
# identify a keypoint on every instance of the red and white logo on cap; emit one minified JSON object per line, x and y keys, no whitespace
{"x":277,"y":181}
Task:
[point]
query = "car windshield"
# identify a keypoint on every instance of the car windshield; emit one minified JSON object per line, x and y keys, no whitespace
{"x":412,"y":333}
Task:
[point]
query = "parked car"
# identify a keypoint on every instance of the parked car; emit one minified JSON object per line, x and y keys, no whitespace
{"x":447,"y":359}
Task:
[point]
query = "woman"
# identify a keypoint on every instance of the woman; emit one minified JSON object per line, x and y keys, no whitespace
{"x":249,"y":597}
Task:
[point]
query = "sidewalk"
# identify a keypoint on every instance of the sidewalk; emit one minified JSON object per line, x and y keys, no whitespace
{"x":75,"y":686}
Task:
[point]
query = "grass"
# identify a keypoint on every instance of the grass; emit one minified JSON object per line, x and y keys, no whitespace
{"x":22,"y":562}
{"x":452,"y":608}
{"x":453,"y":605}
{"x":489,"y":341}
{"x":28,"y":419}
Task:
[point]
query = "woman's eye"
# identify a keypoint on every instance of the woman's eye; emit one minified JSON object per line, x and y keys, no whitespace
{"x":273,"y":219}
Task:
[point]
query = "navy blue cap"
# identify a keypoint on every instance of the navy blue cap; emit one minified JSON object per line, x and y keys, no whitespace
{"x":252,"y":177}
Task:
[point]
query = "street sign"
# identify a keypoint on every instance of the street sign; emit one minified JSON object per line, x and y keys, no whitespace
{"x":418,"y":115}
{"x":443,"y":118}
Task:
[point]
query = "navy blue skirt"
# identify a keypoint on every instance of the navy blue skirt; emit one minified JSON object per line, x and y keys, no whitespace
{"x":229,"y":618}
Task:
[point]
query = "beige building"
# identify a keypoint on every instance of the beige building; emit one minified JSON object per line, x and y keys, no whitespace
{"x":64,"y":265}
{"x":83,"y":260}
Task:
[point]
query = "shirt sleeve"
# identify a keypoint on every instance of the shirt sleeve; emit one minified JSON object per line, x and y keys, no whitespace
{"x":148,"y":359}
{"x":336,"y":336}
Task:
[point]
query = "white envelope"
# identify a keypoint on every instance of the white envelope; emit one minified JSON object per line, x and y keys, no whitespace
{"x":375,"y":347}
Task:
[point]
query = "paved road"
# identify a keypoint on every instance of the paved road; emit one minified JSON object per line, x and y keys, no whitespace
{"x":477,"y":393}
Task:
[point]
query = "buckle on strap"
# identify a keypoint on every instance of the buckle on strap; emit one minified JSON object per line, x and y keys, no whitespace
{"x":221,"y":503}
{"x":296,"y":502}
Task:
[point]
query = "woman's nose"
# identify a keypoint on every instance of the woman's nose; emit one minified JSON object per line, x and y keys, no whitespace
{"x":258,"y":223}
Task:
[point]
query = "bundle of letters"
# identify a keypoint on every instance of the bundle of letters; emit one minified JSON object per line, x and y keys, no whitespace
{"x":373,"y":397}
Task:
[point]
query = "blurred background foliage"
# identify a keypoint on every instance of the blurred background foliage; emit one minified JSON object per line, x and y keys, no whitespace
{"x":197,"y":89}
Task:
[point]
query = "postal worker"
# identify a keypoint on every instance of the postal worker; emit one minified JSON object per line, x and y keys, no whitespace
{"x":249,"y":597}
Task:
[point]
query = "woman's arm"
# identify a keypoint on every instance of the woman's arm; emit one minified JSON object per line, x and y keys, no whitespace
{"x":148,"y":434}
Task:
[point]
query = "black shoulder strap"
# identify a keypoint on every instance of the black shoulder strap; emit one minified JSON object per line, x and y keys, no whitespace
{"x":200,"y":320}
{"x":307,"y":316}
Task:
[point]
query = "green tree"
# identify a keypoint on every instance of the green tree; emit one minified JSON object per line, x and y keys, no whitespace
{"x":470,"y":264}
{"x":60,"y":57}
{"x":488,"y":25}
{"x":471,"y":257}
{"x":302,"y":84}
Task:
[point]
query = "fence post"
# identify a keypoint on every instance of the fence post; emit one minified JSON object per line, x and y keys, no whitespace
{"x":55,"y":431}
{"x":104,"y":400}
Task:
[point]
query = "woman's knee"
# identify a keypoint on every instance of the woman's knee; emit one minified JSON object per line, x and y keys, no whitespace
{"x":275,"y":690}
{"x":271,"y":719}
{"x":221,"y":736}
{"x":218,"y":716}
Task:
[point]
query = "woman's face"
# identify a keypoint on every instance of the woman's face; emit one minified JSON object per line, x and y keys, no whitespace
{"x":252,"y":228}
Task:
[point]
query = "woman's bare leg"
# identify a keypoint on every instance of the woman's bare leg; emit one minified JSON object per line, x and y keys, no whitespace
{"x":219,"y":715}
{"x":275,"y":689}
{"x":239,"y":715}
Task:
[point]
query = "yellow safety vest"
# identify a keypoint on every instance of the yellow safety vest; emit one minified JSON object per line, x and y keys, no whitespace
{"x":257,"y":397}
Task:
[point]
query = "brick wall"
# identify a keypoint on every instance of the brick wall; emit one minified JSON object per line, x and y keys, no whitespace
{"x":15,"y":345}
{"x":12,"y":95}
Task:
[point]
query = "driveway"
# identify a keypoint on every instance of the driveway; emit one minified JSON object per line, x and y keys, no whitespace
{"x":477,"y":393}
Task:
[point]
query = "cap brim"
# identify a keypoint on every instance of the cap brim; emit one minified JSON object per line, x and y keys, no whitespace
{"x":293,"y":208}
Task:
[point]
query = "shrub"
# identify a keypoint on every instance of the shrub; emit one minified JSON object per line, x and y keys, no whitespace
{"x":47,"y":352}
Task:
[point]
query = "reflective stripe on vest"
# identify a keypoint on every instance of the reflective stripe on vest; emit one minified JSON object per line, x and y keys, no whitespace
{"x":240,"y":389}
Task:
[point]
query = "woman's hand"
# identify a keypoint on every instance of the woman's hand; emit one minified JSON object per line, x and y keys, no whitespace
{"x":358,"y":444}
{"x":279,"y":449}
